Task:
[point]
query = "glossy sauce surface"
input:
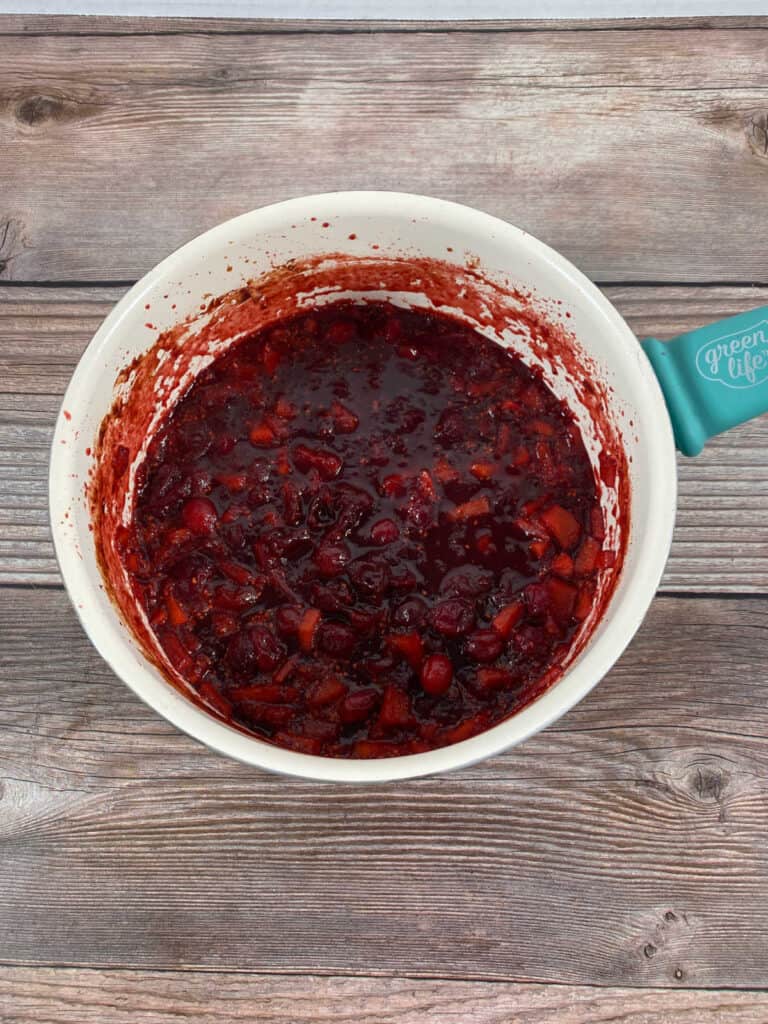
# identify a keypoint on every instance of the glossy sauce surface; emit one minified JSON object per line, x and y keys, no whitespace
{"x":366,"y":532}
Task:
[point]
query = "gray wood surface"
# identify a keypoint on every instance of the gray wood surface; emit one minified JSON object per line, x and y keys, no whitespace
{"x":613,"y":868}
{"x":721,"y":539}
{"x":623,"y":846}
{"x":61,"y":996}
{"x":640,"y":155}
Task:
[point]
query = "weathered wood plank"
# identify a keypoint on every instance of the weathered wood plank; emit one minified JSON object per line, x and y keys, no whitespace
{"x":641,"y":155}
{"x":59,"y":996}
{"x":625,"y":845}
{"x":89,"y":25}
{"x":721,"y":542}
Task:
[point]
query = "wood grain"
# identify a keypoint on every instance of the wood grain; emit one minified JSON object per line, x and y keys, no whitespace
{"x":60,"y":996}
{"x":625,"y":845}
{"x":89,"y":25}
{"x":721,"y":540}
{"x":640,"y":155}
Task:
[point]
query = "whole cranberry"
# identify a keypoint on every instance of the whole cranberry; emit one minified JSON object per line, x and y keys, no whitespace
{"x":287,"y":618}
{"x":411,"y":612}
{"x":199,"y":515}
{"x":537,"y":598}
{"x":436,"y":674}
{"x":269,"y":651}
{"x":359,"y":705}
{"x":337,"y":639}
{"x":484,"y":645}
{"x":370,"y":576}
{"x":241,"y":655}
{"x":454,"y":617}
{"x":530,"y":640}
{"x":385,"y":531}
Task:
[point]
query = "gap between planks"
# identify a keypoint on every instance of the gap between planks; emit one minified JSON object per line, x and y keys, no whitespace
{"x":53,"y":995}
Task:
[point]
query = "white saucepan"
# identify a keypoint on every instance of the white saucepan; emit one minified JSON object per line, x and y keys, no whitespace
{"x":706,"y":378}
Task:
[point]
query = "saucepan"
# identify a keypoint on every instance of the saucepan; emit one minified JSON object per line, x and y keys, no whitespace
{"x":645,"y":399}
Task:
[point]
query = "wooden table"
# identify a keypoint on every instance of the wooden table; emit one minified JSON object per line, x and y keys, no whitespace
{"x":614,"y":867}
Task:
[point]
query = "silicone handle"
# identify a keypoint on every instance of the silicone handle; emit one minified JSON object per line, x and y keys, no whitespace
{"x":713,"y":378}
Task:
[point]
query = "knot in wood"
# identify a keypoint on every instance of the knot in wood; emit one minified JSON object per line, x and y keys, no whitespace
{"x":37,"y":110}
{"x":757,"y":134}
{"x":11,"y":241}
{"x":709,"y":783}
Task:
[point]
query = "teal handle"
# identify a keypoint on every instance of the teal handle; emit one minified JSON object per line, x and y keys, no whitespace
{"x":713,"y":378}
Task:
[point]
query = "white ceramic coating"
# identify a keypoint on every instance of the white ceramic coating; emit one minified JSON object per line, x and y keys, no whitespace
{"x":400,"y":224}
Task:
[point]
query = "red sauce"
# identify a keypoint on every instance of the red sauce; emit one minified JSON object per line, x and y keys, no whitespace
{"x":365,"y":532}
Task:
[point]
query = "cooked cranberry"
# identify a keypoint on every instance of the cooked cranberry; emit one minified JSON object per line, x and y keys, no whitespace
{"x":241,"y":654}
{"x":359,"y":705}
{"x":235,"y":599}
{"x":403,"y":580}
{"x":223,"y":624}
{"x":419,"y":514}
{"x":410,"y":612}
{"x":378,"y":668}
{"x":331,"y":559}
{"x":484,"y":645}
{"x":353,"y":506}
{"x":326,"y":463}
{"x":287,"y":619}
{"x":530,"y":640}
{"x":452,"y":618}
{"x":370,"y":576}
{"x":321,"y":509}
{"x":199,"y":515}
{"x":333,"y":596}
{"x":385,"y":531}
{"x":363,"y":620}
{"x":344,"y":420}
{"x":367,"y":532}
{"x":255,"y":647}
{"x":393,"y":486}
{"x":269,"y":650}
{"x":337,"y":639}
{"x":468,"y":581}
{"x":436,"y":674}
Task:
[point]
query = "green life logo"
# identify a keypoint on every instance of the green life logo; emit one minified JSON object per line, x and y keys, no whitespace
{"x":736,"y":360}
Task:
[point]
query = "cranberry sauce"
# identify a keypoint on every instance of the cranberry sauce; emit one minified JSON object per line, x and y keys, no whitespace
{"x":366,"y":532}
